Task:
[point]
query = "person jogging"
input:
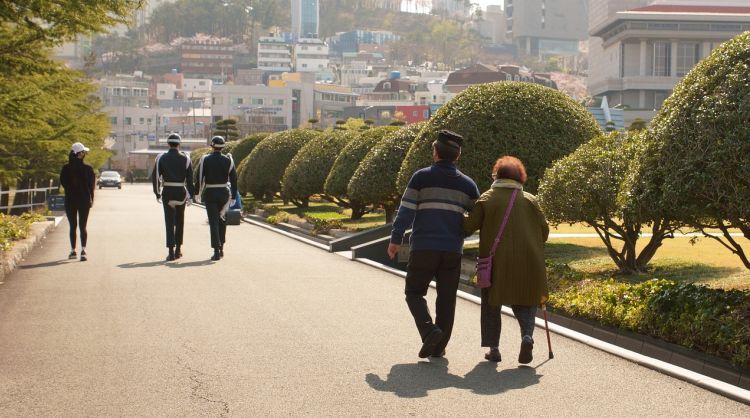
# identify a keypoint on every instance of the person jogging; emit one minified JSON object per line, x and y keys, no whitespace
{"x":79,"y":182}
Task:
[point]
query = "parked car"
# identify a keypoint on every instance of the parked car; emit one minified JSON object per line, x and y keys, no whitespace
{"x":110,"y":179}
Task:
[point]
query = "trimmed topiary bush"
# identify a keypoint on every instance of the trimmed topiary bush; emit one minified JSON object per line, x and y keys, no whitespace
{"x":196,"y":154}
{"x":242,"y":148}
{"x":263,"y":168}
{"x":589,"y":186}
{"x":534,"y":123}
{"x":697,"y":165}
{"x":346,"y":164}
{"x":374,"y":181}
{"x":307,"y":172}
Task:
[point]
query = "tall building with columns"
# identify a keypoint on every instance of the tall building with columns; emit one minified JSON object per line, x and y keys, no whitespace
{"x":643,"y":52}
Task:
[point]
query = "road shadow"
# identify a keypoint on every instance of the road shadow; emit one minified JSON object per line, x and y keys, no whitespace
{"x":414,"y":380}
{"x":141,"y":265}
{"x":47,"y":264}
{"x":178,"y":265}
{"x":485,"y":379}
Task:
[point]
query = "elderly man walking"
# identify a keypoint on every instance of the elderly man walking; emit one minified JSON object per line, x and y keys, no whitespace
{"x":433,"y":205}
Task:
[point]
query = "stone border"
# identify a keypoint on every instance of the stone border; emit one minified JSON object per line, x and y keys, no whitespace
{"x":19,"y":250}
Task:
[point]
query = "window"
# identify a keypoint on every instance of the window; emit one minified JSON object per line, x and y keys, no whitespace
{"x":201,"y":83}
{"x":140,"y":121}
{"x":113,"y":120}
{"x":662,"y":59}
{"x":688,"y":54}
{"x":386,"y":86}
{"x":128,"y":121}
{"x":257,"y":101}
{"x":414,"y":113}
{"x":278,"y":102}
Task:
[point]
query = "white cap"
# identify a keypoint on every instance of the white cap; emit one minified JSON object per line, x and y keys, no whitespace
{"x":78,"y":147}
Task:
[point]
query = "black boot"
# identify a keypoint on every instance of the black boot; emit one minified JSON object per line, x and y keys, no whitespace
{"x":170,"y":256}
{"x":178,"y":253}
{"x":216,"y":256}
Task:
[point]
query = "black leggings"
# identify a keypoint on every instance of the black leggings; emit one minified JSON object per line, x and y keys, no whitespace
{"x":77,"y":215}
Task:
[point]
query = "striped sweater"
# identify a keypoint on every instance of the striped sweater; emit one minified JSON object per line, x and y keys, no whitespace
{"x":433,"y":205}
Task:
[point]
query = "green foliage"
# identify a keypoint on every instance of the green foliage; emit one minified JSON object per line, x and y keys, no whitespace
{"x":374,"y":181}
{"x":265,"y":166}
{"x":590,"y":186}
{"x":242,"y":148}
{"x":638,"y":125}
{"x":697,"y":165}
{"x":350,"y":157}
{"x":228,"y":129}
{"x":197,"y":154}
{"x":308,"y":170}
{"x":278,"y":217}
{"x":14,"y":228}
{"x":712,"y":321}
{"x":536,"y":124}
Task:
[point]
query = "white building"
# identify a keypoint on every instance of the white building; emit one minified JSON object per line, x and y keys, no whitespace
{"x":274,"y":54}
{"x":493,"y":25}
{"x":352,"y":72}
{"x":547,"y":27}
{"x":310,"y":55}
{"x":645,"y":51}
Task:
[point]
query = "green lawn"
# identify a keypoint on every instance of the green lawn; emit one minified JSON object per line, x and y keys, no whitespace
{"x":324,"y":210}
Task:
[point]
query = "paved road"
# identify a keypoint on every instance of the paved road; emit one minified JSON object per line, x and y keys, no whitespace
{"x":276,"y":328}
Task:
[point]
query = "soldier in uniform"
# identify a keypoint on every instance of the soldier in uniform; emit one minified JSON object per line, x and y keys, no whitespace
{"x":217,"y":183}
{"x":173,"y":187}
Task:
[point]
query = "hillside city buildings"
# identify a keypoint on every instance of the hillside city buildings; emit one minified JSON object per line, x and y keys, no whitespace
{"x":636,"y":51}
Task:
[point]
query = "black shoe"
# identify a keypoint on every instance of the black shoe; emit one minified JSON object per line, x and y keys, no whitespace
{"x":170,"y":256}
{"x":72,"y":255}
{"x":83,"y":256}
{"x":216,"y":256}
{"x":178,"y":253}
{"x":493,"y":355}
{"x":441,"y":354}
{"x":527,"y":345}
{"x":430,"y":342}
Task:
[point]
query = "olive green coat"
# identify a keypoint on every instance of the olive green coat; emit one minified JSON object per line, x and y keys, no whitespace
{"x":519,"y":275}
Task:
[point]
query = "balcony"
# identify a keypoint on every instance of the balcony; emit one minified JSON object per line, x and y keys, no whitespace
{"x":633,"y":83}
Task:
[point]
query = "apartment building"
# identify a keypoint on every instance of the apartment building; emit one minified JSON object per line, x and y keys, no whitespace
{"x":310,"y":55}
{"x":274,"y":54}
{"x":211,"y":58}
{"x":547,"y":27}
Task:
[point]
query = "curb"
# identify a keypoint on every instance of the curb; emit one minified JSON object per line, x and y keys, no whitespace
{"x":20,"y":249}
{"x":714,"y":385}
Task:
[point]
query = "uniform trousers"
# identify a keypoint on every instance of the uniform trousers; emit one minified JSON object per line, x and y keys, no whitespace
{"x":174,"y":219}
{"x":491,"y":320}
{"x":217,"y":226}
{"x":423,"y":267}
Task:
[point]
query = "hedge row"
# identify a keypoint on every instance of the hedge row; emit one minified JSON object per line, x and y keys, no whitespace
{"x":709,"y":320}
{"x":13,"y":228}
{"x":308,"y":170}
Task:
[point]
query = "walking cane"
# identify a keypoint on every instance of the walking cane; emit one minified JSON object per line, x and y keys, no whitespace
{"x":546,"y":328}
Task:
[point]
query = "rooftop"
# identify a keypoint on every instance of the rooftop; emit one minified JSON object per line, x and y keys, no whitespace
{"x":669,"y":8}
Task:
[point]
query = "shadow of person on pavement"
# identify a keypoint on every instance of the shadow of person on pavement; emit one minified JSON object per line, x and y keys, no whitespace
{"x":47,"y":264}
{"x":414,"y":380}
{"x":484,"y":379}
{"x":179,"y":265}
{"x":140,"y":265}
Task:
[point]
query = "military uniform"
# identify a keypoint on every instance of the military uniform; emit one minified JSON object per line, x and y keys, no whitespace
{"x":217,"y":183}
{"x":172,"y":182}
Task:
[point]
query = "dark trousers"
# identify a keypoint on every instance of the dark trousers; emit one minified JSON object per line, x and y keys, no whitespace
{"x":445,"y":268}
{"x":217,"y":225}
{"x":174,"y":219}
{"x":491,"y":322}
{"x":78,"y":217}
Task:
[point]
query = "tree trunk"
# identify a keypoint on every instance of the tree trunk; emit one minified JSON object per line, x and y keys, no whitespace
{"x":358,"y":210}
{"x":389,"y":212}
{"x":301,"y":203}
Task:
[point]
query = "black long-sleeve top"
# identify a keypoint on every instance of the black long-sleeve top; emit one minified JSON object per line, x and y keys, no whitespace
{"x":79,"y":181}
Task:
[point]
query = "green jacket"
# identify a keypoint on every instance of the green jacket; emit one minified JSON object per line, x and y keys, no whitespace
{"x":519,"y":276}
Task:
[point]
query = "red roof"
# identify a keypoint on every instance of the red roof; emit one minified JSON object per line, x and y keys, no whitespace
{"x":668,"y":8}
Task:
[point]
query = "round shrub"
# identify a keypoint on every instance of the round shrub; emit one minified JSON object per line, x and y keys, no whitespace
{"x":697,"y":167}
{"x":348,"y":160}
{"x":307,"y":172}
{"x":374,"y":181}
{"x":242,"y":148}
{"x":264,"y":167}
{"x":196,"y":154}
{"x":534,"y":123}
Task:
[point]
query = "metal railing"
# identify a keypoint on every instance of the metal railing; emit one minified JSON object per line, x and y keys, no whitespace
{"x":35,"y":197}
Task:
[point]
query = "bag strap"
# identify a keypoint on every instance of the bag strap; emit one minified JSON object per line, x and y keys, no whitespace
{"x":505,"y":222}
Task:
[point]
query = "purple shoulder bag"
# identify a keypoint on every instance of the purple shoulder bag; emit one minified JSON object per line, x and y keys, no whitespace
{"x":484,"y":264}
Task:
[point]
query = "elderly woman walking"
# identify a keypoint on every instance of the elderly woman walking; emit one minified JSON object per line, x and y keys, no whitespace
{"x":518,"y":271}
